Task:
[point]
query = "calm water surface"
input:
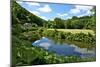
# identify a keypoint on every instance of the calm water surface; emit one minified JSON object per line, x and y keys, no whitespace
{"x":64,"y":49}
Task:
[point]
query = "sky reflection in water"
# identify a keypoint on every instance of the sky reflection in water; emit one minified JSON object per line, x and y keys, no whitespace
{"x":63,"y":49}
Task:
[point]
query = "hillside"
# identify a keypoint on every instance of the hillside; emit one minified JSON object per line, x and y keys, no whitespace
{"x":21,"y":15}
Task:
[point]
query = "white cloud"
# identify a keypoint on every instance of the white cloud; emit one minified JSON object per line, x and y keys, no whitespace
{"x":62,"y":15}
{"x":45,"y":8}
{"x":80,"y":7}
{"x":74,"y":11}
{"x":35,"y":12}
{"x":86,"y":10}
{"x":86,"y":13}
{"x":43,"y":17}
{"x":68,"y":17}
{"x":38,"y":14}
{"x":20,"y":2}
{"x":33,"y":4}
{"x":81,"y":15}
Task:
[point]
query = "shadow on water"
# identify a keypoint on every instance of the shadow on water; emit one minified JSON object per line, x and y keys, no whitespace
{"x":64,"y":49}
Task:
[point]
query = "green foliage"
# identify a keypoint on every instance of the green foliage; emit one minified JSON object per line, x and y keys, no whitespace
{"x":21,"y":15}
{"x":84,"y":22}
{"x":27,"y":28}
{"x":61,"y":35}
{"x":80,"y":37}
{"x":58,"y":23}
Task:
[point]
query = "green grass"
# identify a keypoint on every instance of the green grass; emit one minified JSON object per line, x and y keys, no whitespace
{"x":75,"y":30}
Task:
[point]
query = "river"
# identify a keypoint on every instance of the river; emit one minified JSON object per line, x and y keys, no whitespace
{"x":64,"y":49}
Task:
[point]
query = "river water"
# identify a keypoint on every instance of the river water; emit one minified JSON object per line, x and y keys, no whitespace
{"x":64,"y":49}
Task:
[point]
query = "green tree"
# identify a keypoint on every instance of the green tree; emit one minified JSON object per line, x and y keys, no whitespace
{"x":59,"y":23}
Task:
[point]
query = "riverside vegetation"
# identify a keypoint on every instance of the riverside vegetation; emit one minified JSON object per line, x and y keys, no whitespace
{"x":27,"y":28}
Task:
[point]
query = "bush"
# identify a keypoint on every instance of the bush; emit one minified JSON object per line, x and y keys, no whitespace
{"x":80,"y":37}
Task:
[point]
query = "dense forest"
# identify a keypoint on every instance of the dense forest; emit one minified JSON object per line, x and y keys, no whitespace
{"x":27,"y":28}
{"x":75,"y":22}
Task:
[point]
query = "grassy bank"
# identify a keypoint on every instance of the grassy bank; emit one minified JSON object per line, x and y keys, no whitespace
{"x":85,"y":31}
{"x":82,"y":37}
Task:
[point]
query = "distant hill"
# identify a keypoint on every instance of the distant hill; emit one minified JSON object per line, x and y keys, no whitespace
{"x":21,"y":15}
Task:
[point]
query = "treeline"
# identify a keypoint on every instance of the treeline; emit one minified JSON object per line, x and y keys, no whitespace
{"x":85,"y":22}
{"x":23,"y":16}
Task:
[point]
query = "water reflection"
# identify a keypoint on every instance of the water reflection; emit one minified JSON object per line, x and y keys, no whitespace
{"x":63,"y":48}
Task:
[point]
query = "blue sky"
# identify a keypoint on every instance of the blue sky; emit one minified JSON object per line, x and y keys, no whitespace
{"x":49,"y":11}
